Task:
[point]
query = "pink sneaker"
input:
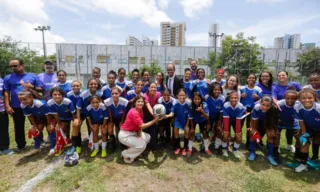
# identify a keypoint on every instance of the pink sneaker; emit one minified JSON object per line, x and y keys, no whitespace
{"x":184,"y":152}
{"x":177,"y":151}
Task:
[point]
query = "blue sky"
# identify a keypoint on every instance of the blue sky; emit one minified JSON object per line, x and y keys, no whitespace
{"x":111,"y":21}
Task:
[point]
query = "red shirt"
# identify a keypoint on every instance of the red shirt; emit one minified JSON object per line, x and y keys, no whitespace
{"x":133,"y":121}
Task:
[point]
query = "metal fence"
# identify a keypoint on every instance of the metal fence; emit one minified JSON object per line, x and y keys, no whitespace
{"x":78,"y":60}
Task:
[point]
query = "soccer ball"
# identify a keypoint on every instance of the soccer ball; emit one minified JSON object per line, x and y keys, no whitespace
{"x":159,"y":110}
{"x":70,"y":160}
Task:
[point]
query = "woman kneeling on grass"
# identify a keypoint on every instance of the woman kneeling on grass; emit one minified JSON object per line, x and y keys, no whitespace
{"x":131,"y":133}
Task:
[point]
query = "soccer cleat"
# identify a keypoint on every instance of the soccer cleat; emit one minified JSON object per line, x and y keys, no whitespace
{"x":236,"y":154}
{"x":272,"y":161}
{"x":94,"y":153}
{"x":184,"y":152}
{"x":51,"y":152}
{"x":189,"y":153}
{"x":252,"y":156}
{"x":71,"y":151}
{"x":78,"y":150}
{"x":59,"y":153}
{"x":301,"y":168}
{"x":291,"y":148}
{"x":103,"y":153}
{"x":225,"y":153}
{"x":177,"y":151}
{"x":209,"y":153}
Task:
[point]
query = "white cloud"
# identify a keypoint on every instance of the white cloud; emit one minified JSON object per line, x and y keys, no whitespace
{"x":110,"y":27}
{"x":30,"y":10}
{"x":163,"y":4}
{"x":65,"y":5}
{"x":266,"y":1}
{"x":193,"y":7}
{"x":146,"y":10}
{"x":197,"y":39}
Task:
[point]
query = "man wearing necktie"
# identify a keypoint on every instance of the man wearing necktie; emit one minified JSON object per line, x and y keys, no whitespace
{"x":174,"y":83}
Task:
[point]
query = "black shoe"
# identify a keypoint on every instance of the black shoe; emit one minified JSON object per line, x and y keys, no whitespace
{"x":314,"y":158}
{"x":19,"y":150}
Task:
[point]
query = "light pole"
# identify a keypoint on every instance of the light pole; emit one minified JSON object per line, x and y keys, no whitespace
{"x":43,"y":29}
{"x":215,"y":35}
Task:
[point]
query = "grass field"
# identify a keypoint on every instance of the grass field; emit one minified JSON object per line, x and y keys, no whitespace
{"x":159,"y":171}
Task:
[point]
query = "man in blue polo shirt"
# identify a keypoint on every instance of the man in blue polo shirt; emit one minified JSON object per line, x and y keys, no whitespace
{"x":13,"y":84}
{"x":48,"y":78}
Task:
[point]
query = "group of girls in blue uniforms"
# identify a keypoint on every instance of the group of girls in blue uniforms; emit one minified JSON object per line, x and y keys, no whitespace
{"x":267,"y":108}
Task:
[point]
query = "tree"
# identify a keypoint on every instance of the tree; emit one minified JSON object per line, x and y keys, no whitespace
{"x":239,"y":56}
{"x":10,"y":49}
{"x":308,"y":61}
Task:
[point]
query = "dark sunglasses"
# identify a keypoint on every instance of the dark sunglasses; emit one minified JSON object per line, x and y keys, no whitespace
{"x":13,"y":66}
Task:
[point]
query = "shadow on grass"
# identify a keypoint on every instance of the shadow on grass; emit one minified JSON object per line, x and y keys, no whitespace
{"x":25,"y":159}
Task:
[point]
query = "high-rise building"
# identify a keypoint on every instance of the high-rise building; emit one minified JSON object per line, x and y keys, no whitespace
{"x":278,"y":42}
{"x":145,"y":41}
{"x":214,"y":29}
{"x":154,"y":42}
{"x":308,"y":45}
{"x":132,"y":40}
{"x":287,"y":42}
{"x":173,"y":34}
{"x":294,"y":41}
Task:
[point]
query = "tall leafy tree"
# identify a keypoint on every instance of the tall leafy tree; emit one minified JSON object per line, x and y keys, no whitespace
{"x":308,"y":61}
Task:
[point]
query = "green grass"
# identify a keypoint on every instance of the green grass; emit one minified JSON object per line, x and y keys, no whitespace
{"x":159,"y":171}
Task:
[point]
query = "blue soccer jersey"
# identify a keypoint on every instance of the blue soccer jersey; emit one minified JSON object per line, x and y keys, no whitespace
{"x":64,"y":110}
{"x":132,"y":94}
{"x":66,"y":87}
{"x":215,"y":106}
{"x":198,"y":116}
{"x":257,"y":113}
{"x":233,"y":112}
{"x":168,"y":105}
{"x":181,"y":111}
{"x":106,"y":91}
{"x":83,"y":100}
{"x":201,"y":87}
{"x":249,"y":101}
{"x":13,"y":84}
{"x":222,"y":82}
{"x":287,"y":120}
{"x":116,"y":110}
{"x":97,"y":115}
{"x":145,"y":87}
{"x":122,"y":85}
{"x":189,"y":86}
{"x":278,"y":90}
{"x":73,"y":97}
{"x":38,"y":108}
{"x":310,"y":117}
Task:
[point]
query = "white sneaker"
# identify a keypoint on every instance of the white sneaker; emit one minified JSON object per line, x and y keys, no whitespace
{"x":236,"y":154}
{"x":291,"y":148}
{"x":301,"y":168}
{"x":225,"y":153}
{"x":51,"y":152}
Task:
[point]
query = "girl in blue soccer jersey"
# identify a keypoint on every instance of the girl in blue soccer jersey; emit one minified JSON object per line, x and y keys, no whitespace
{"x":97,"y":116}
{"x":265,"y":119}
{"x":200,"y":114}
{"x":145,"y":75}
{"x":181,"y":111}
{"x":188,"y":84}
{"x":106,"y":90}
{"x":121,"y":82}
{"x":215,"y":101}
{"x":135,"y":76}
{"x":38,"y":114}
{"x":314,"y":82}
{"x":160,"y":82}
{"x":116,"y":107}
{"x":62,"y":82}
{"x":250,"y":94}
{"x":286,"y":118}
{"x":307,"y":112}
{"x":201,"y":84}
{"x":62,"y":110}
{"x":134,"y":92}
{"x":165,"y":125}
{"x":233,"y":111}
{"x":76,"y":140}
